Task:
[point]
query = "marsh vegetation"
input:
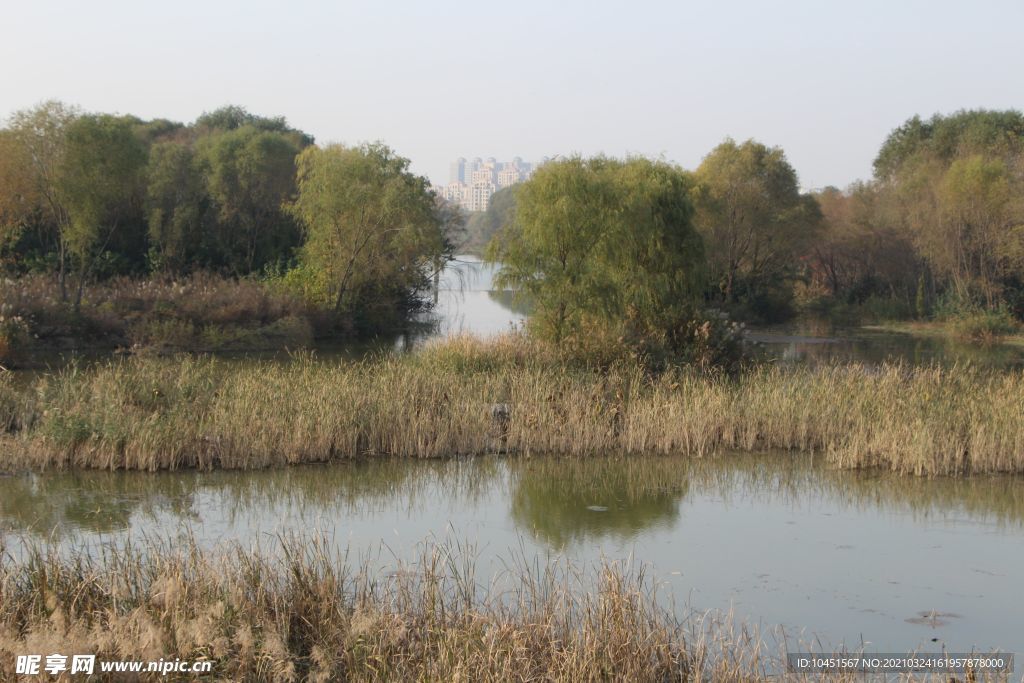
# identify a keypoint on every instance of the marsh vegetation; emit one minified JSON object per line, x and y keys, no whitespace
{"x":153,"y":414}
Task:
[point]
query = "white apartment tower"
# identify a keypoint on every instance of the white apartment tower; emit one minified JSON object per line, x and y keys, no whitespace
{"x":471,"y":183}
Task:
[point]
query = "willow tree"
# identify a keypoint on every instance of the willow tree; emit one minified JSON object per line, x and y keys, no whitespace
{"x":176,"y":201}
{"x":980,"y":234}
{"x":20,"y":199}
{"x":250,"y":174}
{"x":603,"y":243}
{"x":372,"y":229}
{"x":753,"y":218}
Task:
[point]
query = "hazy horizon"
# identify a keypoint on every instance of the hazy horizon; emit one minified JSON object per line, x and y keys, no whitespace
{"x":451,"y":79}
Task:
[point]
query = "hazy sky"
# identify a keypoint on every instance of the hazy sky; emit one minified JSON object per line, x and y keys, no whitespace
{"x":824,"y":80}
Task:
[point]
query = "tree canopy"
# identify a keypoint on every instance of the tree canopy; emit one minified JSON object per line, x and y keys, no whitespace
{"x":755,"y":222}
{"x":373,"y":231}
{"x":604,"y":244}
{"x":955,"y":187}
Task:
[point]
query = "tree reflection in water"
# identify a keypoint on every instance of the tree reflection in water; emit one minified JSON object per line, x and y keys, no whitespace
{"x":563,"y":501}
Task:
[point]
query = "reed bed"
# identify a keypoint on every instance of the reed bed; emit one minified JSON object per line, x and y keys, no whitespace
{"x":302,"y":610}
{"x":467,"y":397}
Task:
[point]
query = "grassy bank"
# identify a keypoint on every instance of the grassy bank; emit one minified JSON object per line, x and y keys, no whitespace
{"x":202,"y":312}
{"x":468,"y":397}
{"x":303,"y":611}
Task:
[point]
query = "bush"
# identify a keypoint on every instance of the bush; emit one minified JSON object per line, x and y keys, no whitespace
{"x":985,"y":326}
{"x":705,"y":340}
{"x":879,"y":308}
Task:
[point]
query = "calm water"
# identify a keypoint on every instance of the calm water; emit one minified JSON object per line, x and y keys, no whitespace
{"x":468,"y":302}
{"x":841,"y":556}
{"x":818,"y":342}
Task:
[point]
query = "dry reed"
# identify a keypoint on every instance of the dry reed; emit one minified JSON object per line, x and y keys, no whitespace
{"x":302,"y":611}
{"x":152,"y":414}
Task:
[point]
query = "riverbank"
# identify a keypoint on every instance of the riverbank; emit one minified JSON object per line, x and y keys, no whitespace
{"x":468,"y":397}
{"x":201,"y":312}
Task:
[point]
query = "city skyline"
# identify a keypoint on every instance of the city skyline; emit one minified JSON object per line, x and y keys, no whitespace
{"x":472,"y":182}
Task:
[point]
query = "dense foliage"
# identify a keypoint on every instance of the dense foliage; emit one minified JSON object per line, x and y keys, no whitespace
{"x":373,"y":230}
{"x":607,"y":252}
{"x":92,"y":197}
{"x":102,"y":195}
{"x":940,"y":229}
{"x":756,"y":226}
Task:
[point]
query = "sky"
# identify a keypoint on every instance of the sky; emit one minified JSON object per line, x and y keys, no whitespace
{"x":824,"y":80}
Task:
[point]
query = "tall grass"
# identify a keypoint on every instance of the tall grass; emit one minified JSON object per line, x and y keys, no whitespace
{"x":165,"y":414}
{"x":303,"y":611}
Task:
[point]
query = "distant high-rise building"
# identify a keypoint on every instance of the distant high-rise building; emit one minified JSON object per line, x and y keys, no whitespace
{"x":471,"y":183}
{"x":480,"y":196}
{"x":508,"y":176}
{"x":457,"y":171}
{"x":483,"y":175}
{"x":453,"y":192}
{"x":471,"y":168}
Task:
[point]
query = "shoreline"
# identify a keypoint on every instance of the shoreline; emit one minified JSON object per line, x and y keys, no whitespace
{"x":941,"y":329}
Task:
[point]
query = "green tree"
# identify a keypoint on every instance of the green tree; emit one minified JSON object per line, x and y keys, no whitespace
{"x":373,"y":229}
{"x":982,"y":231}
{"x":483,"y":225}
{"x":102,"y":183}
{"x":754,"y":221}
{"x":20,"y":200}
{"x":603,"y":243}
{"x":233,"y":117}
{"x":39,"y":137}
{"x":250,"y":175}
{"x":1000,"y":133}
{"x":175,"y":205}
{"x":953,"y":185}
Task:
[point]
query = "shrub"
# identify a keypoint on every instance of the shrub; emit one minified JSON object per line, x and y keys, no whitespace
{"x":985,"y":326}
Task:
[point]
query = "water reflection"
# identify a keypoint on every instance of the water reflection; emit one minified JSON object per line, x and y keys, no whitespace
{"x":818,"y":342}
{"x":776,"y":537}
{"x":563,"y":502}
{"x":467,"y":301}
